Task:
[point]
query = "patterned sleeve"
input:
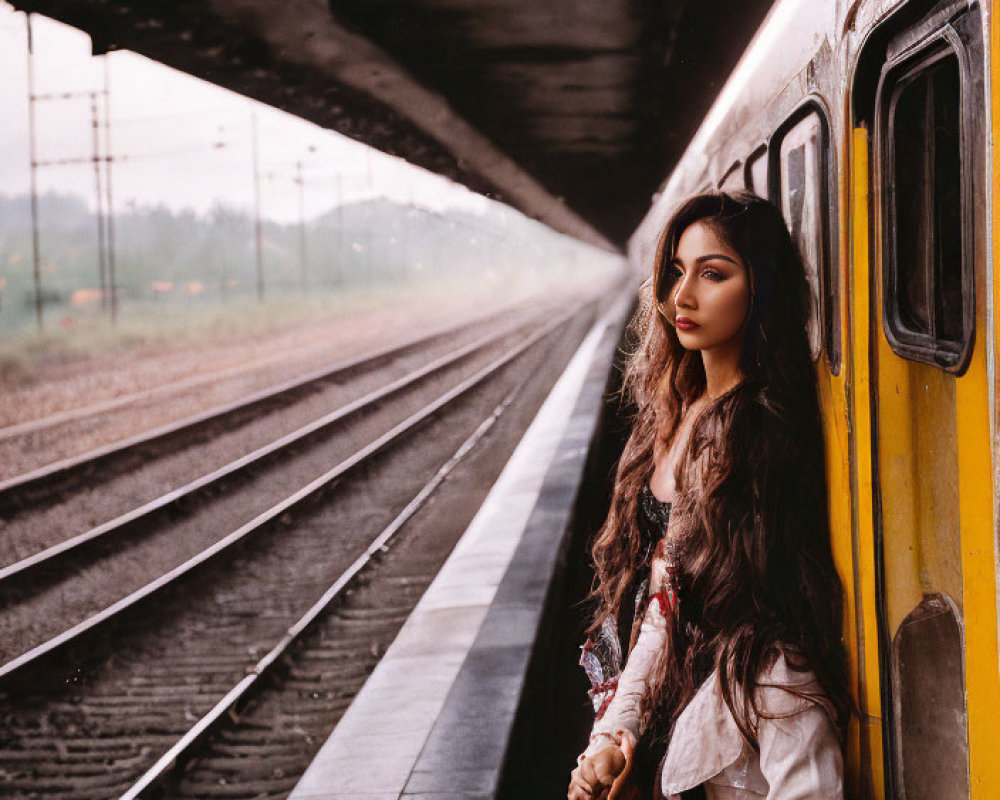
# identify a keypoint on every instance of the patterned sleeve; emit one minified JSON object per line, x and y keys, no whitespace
{"x":621,"y":716}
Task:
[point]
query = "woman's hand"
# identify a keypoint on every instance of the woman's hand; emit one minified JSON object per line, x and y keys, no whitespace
{"x":593,"y":776}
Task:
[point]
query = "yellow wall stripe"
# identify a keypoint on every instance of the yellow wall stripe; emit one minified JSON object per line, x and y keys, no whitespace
{"x":871,"y":695}
{"x":837,"y":405}
{"x":982,"y":678}
{"x":979,"y":577}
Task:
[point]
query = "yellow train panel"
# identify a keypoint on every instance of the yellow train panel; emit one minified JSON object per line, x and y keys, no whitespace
{"x":870,"y":693}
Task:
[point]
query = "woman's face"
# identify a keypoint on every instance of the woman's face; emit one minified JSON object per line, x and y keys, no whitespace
{"x":710,"y":296}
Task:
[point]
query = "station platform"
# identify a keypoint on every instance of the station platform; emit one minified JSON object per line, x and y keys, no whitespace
{"x":461,"y":705}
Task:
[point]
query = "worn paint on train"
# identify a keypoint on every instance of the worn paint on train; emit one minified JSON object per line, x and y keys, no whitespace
{"x":872,"y":124}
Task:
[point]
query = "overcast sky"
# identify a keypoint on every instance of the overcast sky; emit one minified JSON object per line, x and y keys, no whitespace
{"x":181,"y":141}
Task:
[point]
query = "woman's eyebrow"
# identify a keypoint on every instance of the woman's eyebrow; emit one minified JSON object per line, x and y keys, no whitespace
{"x":704,"y":258}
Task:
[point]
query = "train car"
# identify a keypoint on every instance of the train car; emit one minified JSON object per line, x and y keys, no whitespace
{"x":871,"y":124}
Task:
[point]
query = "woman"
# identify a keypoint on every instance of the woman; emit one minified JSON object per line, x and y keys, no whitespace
{"x":713,"y":569}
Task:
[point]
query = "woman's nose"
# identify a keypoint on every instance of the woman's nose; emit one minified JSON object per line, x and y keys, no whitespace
{"x":683,"y":295}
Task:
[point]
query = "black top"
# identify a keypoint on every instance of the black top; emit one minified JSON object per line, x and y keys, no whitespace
{"x":652,"y":517}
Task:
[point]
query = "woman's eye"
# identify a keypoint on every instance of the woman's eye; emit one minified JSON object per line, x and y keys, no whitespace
{"x":712,"y":275}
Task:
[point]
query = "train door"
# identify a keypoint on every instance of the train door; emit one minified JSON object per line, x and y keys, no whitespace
{"x":921,"y":403}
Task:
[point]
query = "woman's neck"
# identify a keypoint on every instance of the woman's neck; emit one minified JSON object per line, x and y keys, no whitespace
{"x":722,"y":370}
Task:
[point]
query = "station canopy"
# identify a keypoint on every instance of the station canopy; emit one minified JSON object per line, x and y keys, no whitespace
{"x":572,"y":111}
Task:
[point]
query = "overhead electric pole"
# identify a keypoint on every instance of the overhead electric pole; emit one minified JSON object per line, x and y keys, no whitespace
{"x":32,"y":157}
{"x":258,"y":235}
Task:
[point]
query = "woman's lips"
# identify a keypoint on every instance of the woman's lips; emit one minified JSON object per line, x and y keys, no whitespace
{"x":685,"y":324}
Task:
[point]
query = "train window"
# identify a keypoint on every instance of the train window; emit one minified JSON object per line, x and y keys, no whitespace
{"x":927,"y":689}
{"x":928,"y":308}
{"x":802,"y":167}
{"x":755,"y":172}
{"x":927,"y":138}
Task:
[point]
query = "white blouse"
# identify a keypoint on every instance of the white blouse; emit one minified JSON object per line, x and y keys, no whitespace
{"x":799,"y":756}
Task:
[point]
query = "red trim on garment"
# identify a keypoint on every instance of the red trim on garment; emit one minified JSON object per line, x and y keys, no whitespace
{"x":667,"y":600}
{"x":610,"y":687}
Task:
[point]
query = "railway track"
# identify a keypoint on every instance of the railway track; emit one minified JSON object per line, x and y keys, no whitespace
{"x":40,"y":486}
{"x":72,"y":580}
{"x":145,"y":397}
{"x":342,"y":641}
{"x":160,"y":677}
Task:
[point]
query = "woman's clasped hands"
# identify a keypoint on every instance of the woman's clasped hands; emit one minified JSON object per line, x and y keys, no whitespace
{"x":602,"y":776}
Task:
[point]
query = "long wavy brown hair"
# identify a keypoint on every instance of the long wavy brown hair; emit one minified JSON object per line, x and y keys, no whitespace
{"x":751,"y":508}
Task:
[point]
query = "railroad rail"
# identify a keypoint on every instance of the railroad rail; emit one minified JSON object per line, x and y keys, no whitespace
{"x":141,"y":519}
{"x":218,"y":576}
{"x":26,"y":489}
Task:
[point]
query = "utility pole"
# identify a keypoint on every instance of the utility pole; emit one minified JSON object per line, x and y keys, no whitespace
{"x":339,"y":277}
{"x":99,"y":197}
{"x":302,"y":222}
{"x":32,"y":155}
{"x":112,"y":280}
{"x":369,"y":228}
{"x":105,"y":226}
{"x":258,"y":235}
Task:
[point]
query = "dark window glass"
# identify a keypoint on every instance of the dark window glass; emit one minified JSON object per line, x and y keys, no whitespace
{"x":927,"y":194}
{"x":947,"y":202}
{"x":911,"y":234}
